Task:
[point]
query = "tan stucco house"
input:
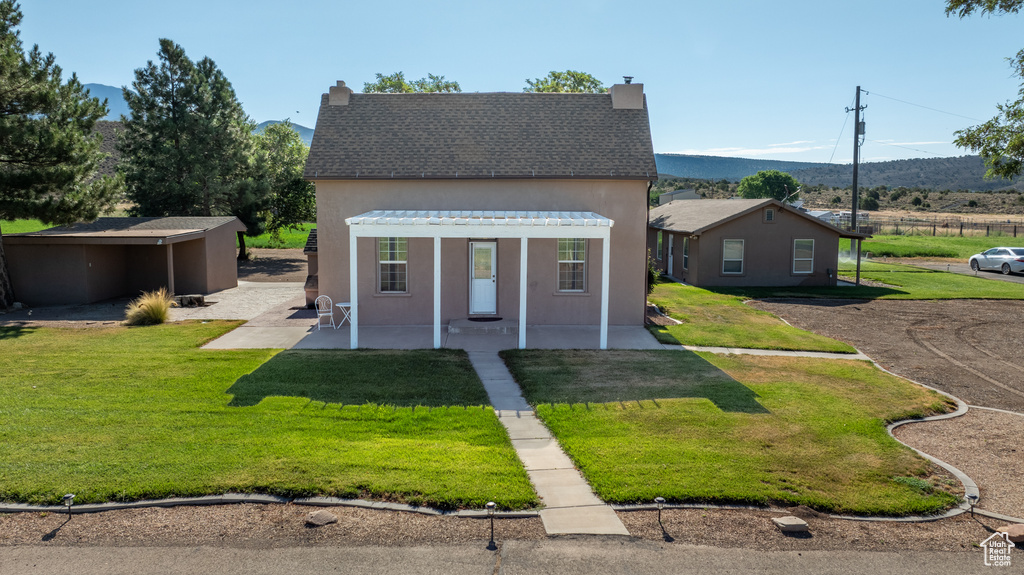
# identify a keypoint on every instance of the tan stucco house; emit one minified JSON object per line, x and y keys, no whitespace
{"x":115,"y":257}
{"x":740,"y":242}
{"x":525,"y":206}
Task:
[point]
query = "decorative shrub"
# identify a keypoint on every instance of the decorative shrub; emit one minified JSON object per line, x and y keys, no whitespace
{"x":150,"y":308}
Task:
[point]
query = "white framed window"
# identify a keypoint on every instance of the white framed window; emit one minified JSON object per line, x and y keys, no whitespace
{"x":392,"y":265}
{"x":803,"y":256}
{"x":572,"y":264}
{"x":661,"y":240}
{"x":686,"y":253}
{"x":769,"y":215}
{"x":732,"y":256}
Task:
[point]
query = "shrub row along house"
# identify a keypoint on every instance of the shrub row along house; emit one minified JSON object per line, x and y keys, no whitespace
{"x":438,"y":207}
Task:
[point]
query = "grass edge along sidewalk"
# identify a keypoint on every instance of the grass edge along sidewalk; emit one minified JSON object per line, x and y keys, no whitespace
{"x":124,"y":414}
{"x":736,"y":429}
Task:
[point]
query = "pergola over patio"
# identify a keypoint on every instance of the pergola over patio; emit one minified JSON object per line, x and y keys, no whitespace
{"x":473,"y":224}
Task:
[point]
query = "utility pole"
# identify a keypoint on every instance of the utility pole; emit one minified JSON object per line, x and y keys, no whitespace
{"x":858,"y":132}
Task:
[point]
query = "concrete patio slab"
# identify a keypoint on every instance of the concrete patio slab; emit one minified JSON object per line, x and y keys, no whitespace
{"x":595,"y":520}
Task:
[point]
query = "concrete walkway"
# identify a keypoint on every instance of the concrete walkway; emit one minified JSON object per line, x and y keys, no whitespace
{"x":570,"y":506}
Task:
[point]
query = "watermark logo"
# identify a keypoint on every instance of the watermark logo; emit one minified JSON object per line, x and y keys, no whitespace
{"x":997,"y":550}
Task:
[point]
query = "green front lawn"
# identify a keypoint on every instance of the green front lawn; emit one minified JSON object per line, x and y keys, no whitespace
{"x":741,"y":429}
{"x":136,"y":413}
{"x":720,"y":320}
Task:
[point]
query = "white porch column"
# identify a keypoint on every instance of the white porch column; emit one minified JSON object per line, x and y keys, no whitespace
{"x":437,"y":292}
{"x":353,"y":289}
{"x":606,"y":256}
{"x":522,"y":292}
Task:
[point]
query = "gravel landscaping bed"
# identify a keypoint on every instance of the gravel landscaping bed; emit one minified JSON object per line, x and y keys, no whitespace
{"x":251,"y":526}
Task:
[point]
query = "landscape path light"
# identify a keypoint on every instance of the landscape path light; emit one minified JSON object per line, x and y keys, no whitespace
{"x":490,"y":514}
{"x":68,"y":499}
{"x":973,"y":500}
{"x":660,"y":502}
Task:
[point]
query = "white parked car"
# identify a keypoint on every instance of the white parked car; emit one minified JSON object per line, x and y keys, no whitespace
{"x":1006,"y":260}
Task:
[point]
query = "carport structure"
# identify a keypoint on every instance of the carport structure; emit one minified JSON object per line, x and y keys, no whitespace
{"x":114,"y":257}
{"x":523,"y":225}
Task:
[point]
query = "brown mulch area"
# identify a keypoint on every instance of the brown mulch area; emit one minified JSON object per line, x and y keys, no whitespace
{"x":251,"y":525}
{"x":969,"y":348}
{"x":654,"y":317}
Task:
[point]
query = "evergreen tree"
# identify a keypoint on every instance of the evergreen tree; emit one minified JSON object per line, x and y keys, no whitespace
{"x":49,"y":152}
{"x":188,"y":147}
{"x":292,"y":199}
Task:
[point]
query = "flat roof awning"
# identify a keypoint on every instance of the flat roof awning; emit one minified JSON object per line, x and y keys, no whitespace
{"x":477,"y":224}
{"x":498,"y":224}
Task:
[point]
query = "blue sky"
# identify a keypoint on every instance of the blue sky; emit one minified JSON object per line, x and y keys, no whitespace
{"x":739,"y":78}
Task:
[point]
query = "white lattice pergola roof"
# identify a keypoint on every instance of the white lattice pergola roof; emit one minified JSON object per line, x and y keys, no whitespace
{"x":439,"y":224}
{"x":499,"y":224}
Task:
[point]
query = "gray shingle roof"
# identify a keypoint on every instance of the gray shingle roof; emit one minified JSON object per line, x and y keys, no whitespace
{"x":697,"y":216}
{"x":499,"y":135}
{"x":142,"y":224}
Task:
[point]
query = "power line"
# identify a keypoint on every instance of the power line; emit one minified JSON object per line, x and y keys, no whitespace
{"x":920,"y":106}
{"x":841,"y":130}
{"x":904,"y":147}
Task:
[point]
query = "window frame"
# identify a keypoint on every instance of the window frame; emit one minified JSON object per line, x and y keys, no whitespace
{"x":741,"y":259}
{"x":660,"y":244}
{"x":769,"y":215}
{"x":403,"y":263}
{"x":686,"y":252}
{"x":571,"y":262}
{"x":810,"y":260}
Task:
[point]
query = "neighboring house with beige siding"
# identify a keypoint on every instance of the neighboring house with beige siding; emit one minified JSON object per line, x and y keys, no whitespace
{"x":525,"y":206}
{"x":740,"y":242}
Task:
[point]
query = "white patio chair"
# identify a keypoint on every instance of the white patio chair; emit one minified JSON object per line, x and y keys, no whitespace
{"x":324,"y":308}
{"x":345,"y":308}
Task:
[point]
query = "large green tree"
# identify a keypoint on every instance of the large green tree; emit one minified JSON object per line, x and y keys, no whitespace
{"x":397,"y":84}
{"x":568,"y":81}
{"x":292,"y":198}
{"x":49,"y":152}
{"x":188,"y":148}
{"x":999,"y":141}
{"x":769,"y":184}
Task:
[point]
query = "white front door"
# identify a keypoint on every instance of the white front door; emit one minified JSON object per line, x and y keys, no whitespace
{"x":483,"y":276}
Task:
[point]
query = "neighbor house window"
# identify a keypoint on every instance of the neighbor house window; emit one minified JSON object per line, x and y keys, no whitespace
{"x":660,"y":240}
{"x":732,"y":256}
{"x":769,"y":215}
{"x":803,"y":256}
{"x":686,"y":253}
{"x":572,"y":254}
{"x":393,"y":264}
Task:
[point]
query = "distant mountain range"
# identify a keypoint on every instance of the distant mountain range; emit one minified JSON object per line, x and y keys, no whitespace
{"x":959,"y":173}
{"x":118,"y":107}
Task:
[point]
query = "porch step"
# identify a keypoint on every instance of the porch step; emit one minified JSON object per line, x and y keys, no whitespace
{"x":469,"y":327}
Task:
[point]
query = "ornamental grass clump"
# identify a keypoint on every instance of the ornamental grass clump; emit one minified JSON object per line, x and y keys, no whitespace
{"x":151,"y":308}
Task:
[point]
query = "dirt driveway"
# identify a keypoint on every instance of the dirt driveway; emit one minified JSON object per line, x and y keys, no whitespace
{"x":969,"y":348}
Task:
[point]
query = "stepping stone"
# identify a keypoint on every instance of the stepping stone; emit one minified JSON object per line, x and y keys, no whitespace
{"x":321,"y":518}
{"x":790,"y":524}
{"x":1016,"y":532}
